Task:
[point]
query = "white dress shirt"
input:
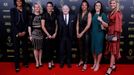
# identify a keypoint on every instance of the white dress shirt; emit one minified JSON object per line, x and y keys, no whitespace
{"x":67,"y":17}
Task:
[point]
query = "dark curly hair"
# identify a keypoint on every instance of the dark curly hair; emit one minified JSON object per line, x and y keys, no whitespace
{"x":23,"y":2}
{"x":50,"y":3}
{"x":101,"y":10}
{"x":88,"y":6}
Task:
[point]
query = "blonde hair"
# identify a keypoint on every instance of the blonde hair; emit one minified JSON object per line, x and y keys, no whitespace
{"x":33,"y":7}
{"x":118,"y":5}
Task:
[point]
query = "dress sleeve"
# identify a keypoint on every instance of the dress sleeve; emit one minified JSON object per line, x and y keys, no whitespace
{"x":43,"y":17}
{"x":30,"y":20}
{"x":105,"y":18}
{"x":118,"y":22}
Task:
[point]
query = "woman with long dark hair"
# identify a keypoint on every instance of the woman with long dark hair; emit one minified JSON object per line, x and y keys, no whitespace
{"x":82,"y":29}
{"x":19,"y":25}
{"x":114,"y":31}
{"x":99,"y":23}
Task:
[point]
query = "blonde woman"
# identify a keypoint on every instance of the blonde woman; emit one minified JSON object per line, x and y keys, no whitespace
{"x":35,"y":33}
{"x":114,"y":29}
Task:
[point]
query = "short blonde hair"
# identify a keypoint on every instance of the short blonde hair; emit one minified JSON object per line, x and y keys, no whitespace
{"x":118,"y":4}
{"x":41,"y":9}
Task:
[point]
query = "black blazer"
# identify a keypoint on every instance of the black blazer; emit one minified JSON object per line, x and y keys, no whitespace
{"x":15,"y":18}
{"x":71,"y":24}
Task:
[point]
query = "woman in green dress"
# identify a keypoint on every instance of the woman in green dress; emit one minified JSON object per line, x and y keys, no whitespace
{"x":99,"y":23}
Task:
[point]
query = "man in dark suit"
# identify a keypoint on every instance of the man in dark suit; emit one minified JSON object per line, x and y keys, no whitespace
{"x":66,"y":23}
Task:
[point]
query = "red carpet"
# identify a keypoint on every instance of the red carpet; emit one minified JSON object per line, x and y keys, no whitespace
{"x":7,"y":68}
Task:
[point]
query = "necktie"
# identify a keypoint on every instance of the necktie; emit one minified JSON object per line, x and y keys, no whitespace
{"x":66,"y":19}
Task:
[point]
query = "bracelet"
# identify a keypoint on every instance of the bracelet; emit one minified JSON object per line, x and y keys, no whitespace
{"x":17,"y":35}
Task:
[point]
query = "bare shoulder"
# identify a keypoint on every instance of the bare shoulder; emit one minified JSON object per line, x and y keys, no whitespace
{"x":89,"y":14}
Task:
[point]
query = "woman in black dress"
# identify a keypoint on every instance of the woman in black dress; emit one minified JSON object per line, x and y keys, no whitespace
{"x":49,"y":26}
{"x":82,"y":27}
{"x":35,"y":33}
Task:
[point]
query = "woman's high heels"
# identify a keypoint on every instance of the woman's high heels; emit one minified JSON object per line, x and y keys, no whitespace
{"x":84,"y":68}
{"x":113,"y":68}
{"x":52,"y":63}
{"x":49,"y":66}
{"x":109,"y":71}
{"x":80,"y":63}
{"x":37,"y":66}
{"x":41,"y":65}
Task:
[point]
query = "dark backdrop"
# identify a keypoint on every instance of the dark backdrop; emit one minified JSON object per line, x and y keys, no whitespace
{"x":127,"y":37}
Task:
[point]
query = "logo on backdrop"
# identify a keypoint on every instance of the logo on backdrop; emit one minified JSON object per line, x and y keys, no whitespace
{"x":130,"y":56}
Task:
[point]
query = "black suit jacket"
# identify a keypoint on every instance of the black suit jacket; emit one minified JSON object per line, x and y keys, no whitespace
{"x":71,"y":24}
{"x":15,"y":20}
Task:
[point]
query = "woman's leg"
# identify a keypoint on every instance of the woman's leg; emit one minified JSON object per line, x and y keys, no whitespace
{"x":95,"y":61}
{"x":98,"y":62}
{"x":36,"y":55}
{"x":47,"y":41}
{"x":80,"y":52}
{"x":16,"y":46}
{"x":112,"y":62}
{"x":40,"y":57}
{"x":86,"y":51}
{"x":50,"y":58}
{"x":49,"y":46}
{"x":52,"y":52}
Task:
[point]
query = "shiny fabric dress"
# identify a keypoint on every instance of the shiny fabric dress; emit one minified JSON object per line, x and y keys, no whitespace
{"x":115,"y":28}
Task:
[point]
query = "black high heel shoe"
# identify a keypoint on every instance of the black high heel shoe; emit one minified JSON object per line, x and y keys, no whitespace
{"x":37,"y":66}
{"x":53,"y":65}
{"x":84,"y":68}
{"x":109,"y":73}
{"x":41,"y":65}
{"x":80,"y":63}
{"x":114,"y":67}
{"x":17,"y":69}
{"x":49,"y":66}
